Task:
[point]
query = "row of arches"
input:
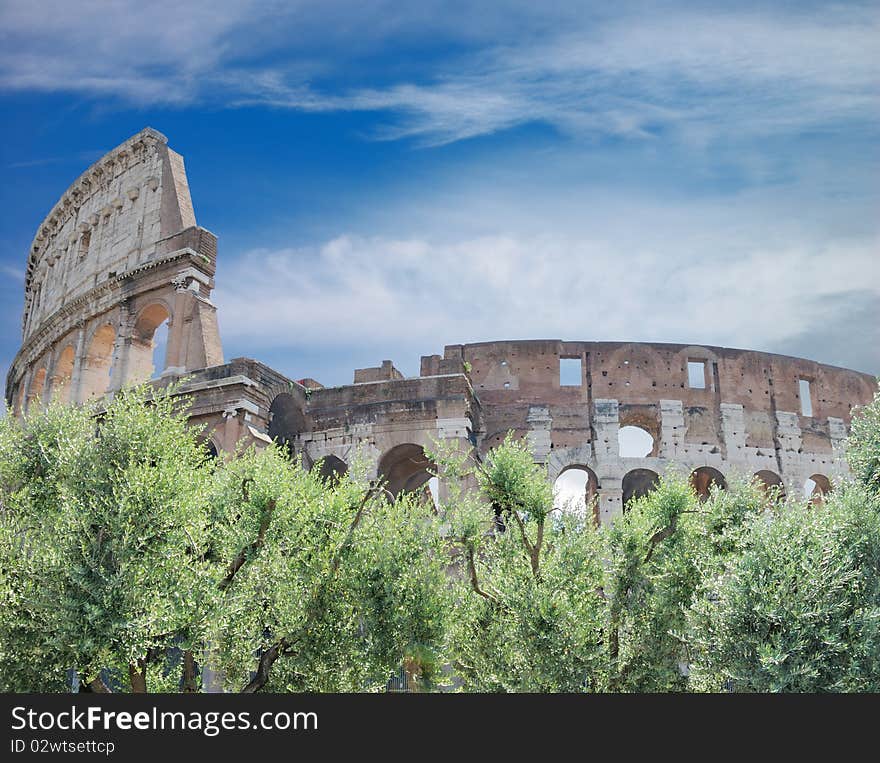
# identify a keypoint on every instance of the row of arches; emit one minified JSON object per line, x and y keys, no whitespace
{"x":577,"y":487}
{"x":71,"y":378}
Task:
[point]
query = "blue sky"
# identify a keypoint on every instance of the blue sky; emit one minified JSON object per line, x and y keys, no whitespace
{"x":387,"y":178}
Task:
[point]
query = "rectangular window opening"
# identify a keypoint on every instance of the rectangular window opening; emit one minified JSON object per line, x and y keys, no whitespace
{"x":806,"y":399}
{"x":570,"y":372}
{"x":84,"y":242}
{"x":697,"y":374}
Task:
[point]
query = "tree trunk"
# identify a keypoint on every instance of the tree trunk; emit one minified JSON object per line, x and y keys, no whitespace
{"x":190,"y":676}
{"x":267,"y":659}
{"x":137,"y":675}
{"x":95,"y":686}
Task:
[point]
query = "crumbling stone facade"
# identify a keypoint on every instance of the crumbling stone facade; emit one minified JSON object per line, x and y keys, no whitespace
{"x":121,"y":253}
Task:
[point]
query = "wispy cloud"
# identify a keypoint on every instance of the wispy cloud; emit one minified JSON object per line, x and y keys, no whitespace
{"x":11,"y":273}
{"x":701,"y":73}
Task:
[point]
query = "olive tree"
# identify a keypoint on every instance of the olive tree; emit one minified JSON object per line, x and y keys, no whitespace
{"x":529,"y":603}
{"x":798,"y":608}
{"x":130,"y":558}
{"x":101,"y":572}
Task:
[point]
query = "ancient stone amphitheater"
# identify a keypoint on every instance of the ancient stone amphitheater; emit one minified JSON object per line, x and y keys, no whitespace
{"x":120,"y":255}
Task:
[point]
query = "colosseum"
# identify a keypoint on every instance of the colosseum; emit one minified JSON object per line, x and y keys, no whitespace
{"x":120,"y":256}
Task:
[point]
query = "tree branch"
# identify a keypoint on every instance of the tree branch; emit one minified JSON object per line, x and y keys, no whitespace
{"x":657,"y":538}
{"x":337,"y":559}
{"x":267,"y":659}
{"x":536,"y":549}
{"x":475,"y":583}
{"x":248,"y":550}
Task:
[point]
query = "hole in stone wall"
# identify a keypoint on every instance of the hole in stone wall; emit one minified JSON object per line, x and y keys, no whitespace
{"x":816,"y":487}
{"x":697,"y":374}
{"x":405,"y":468}
{"x":703,"y":478}
{"x":160,"y":346}
{"x":84,"y":242}
{"x":576,"y":491}
{"x":806,"y":399}
{"x":149,"y":343}
{"x":570,"y":372}
{"x":638,"y":483}
{"x":634,"y":442}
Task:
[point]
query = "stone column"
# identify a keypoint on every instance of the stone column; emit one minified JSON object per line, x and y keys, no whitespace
{"x":733,"y":426}
{"x":538,"y":436}
{"x":671,"y":428}
{"x":76,"y":376}
{"x":607,"y":421}
{"x":178,"y":340}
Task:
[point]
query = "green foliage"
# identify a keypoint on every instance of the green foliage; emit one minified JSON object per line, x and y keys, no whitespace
{"x":863,"y":451}
{"x":345,"y":584}
{"x":528,"y":600}
{"x":512,"y":482}
{"x":652,"y":574}
{"x":99,"y":563}
{"x":125,"y":554}
{"x":799,"y":609}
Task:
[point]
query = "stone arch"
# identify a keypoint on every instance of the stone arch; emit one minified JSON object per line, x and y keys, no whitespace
{"x":702,"y":479}
{"x":645,"y":418}
{"x":635,"y":441}
{"x":577,"y":489}
{"x":63,"y":374}
{"x":405,"y":468}
{"x":769,"y":480}
{"x":638,"y":483}
{"x":97,"y":363}
{"x":330,"y":468}
{"x":142,"y":361}
{"x":287,"y":421}
{"x":37,"y":387}
{"x":816,"y":487}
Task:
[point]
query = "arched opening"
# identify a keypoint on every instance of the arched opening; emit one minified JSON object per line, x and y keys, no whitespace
{"x":149,"y":342}
{"x":638,"y":483}
{"x":286,"y":422}
{"x":330,"y":469}
{"x":38,"y":384}
{"x":405,"y":468}
{"x":210,"y":449}
{"x":576,"y":490}
{"x":703,"y":478}
{"x":771,"y":482}
{"x":96,"y":367}
{"x":63,"y":375}
{"x":816,"y":487}
{"x":634,"y":442}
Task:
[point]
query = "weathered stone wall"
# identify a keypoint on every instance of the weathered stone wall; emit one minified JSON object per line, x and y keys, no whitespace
{"x":746,"y":418}
{"x":121,"y":252}
{"x":117,"y":256}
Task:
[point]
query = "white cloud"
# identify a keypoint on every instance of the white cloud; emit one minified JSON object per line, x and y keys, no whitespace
{"x":416,"y":295}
